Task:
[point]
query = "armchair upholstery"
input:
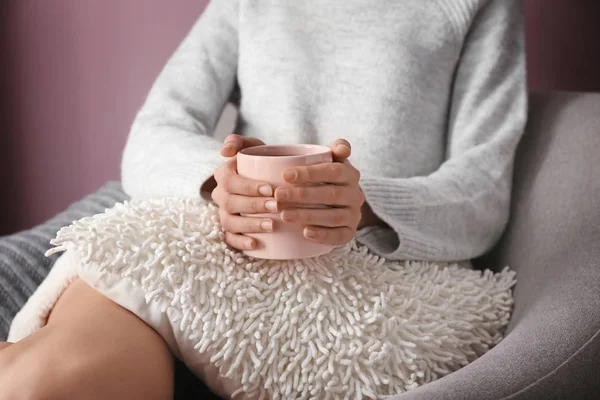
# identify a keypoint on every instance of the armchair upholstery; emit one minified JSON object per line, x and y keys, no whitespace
{"x":552,"y":346}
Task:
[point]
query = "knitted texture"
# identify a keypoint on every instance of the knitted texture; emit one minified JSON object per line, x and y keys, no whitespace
{"x":345,"y":325}
{"x":432,"y":96}
{"x":22,"y":263}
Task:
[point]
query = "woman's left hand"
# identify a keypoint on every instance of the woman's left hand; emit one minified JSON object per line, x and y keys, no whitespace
{"x":331,"y":184}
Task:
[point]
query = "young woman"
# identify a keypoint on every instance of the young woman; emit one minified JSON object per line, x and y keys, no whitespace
{"x":430,"y":95}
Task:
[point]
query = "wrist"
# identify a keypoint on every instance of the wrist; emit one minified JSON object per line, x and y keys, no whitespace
{"x":369,"y":218}
{"x":207,"y":188}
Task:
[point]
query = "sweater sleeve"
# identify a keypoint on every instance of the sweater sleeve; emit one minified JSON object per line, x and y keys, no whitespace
{"x":170,"y":150}
{"x":459,"y":211}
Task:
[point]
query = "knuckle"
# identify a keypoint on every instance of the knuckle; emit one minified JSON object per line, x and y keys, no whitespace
{"x":361,"y":198}
{"x":339,"y":218}
{"x":357,"y":218}
{"x":248,"y":188}
{"x":347,"y":235}
{"x":250,"y":225}
{"x":331,"y":194}
{"x":303,"y":217}
{"x":227,"y":182}
{"x":228,"y":203}
{"x":215,"y":195}
{"x":334,"y":170}
{"x":232,"y":138}
{"x":218,"y":196}
{"x":305,"y":174}
{"x":314,"y":174}
{"x":299,"y":193}
{"x":256,"y":206}
{"x":225,"y":221}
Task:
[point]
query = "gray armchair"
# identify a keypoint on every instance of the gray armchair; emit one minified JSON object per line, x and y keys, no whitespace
{"x":552,"y":346}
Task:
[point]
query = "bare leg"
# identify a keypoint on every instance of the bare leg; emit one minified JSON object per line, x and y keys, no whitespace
{"x":91,"y":348}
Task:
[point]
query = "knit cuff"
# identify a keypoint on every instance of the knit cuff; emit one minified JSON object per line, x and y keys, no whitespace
{"x":395,"y":202}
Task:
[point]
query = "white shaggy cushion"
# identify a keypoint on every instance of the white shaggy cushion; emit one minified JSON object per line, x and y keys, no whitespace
{"x":347,"y":325}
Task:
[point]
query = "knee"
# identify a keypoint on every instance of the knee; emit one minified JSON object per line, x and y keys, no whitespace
{"x":22,"y":378}
{"x":35,"y":377}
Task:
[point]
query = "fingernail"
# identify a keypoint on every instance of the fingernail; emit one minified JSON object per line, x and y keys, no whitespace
{"x":265,"y":190}
{"x":283,"y":194}
{"x":249,"y":244}
{"x":310,"y":232}
{"x":266,"y":225}
{"x":288,"y":215}
{"x":271,"y":205}
{"x":290,"y":175}
{"x":227,"y":148}
{"x":342,"y":147}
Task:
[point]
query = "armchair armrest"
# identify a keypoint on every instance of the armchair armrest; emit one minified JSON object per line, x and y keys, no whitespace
{"x":552,"y":345}
{"x":23,"y":265}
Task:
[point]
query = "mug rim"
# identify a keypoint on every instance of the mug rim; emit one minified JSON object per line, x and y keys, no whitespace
{"x":317,"y":150}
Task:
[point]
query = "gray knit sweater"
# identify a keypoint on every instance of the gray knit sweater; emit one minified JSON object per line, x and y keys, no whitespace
{"x":431,"y":94}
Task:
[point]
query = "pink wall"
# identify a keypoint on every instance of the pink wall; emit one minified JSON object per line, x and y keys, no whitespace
{"x":563,"y":44}
{"x":74,"y":73}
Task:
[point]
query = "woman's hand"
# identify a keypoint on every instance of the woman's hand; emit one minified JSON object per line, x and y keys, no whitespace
{"x":235,"y":194}
{"x":332,"y":184}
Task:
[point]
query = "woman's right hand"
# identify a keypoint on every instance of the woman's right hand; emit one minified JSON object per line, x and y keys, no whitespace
{"x":237,"y":195}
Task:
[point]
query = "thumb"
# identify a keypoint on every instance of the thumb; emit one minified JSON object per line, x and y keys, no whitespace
{"x":341,"y":149}
{"x":234,"y":143}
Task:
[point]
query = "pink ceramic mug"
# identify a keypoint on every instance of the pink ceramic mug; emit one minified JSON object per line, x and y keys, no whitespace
{"x":267,"y":163}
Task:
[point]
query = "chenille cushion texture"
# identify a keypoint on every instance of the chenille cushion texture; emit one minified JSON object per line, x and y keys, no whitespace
{"x":348,"y":324}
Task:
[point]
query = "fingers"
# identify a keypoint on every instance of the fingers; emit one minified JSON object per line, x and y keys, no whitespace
{"x":237,"y":204}
{"x":234,"y":143}
{"x":330,"y":195}
{"x":240,"y":242}
{"x":332,"y":236}
{"x":336,"y":185}
{"x":228,"y":179}
{"x":338,"y":173}
{"x":235,"y":225}
{"x":341,"y":149}
{"x":328,"y":217}
{"x":238,"y":224}
{"x":325,"y":235}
